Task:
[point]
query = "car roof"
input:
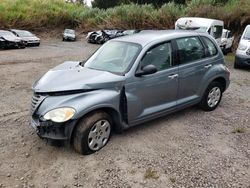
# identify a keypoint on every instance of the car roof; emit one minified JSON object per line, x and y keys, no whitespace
{"x":17,"y":30}
{"x":147,"y":36}
{"x":201,"y":21}
{"x":4,"y":31}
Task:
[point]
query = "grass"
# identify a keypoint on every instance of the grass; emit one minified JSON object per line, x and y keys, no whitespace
{"x":41,"y":14}
{"x":151,"y":174}
{"x":172,"y":179}
{"x":239,"y":130}
{"x":230,"y":58}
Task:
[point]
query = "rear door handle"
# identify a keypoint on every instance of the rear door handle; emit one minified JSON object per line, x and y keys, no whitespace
{"x":173,"y":76}
{"x":208,"y":66}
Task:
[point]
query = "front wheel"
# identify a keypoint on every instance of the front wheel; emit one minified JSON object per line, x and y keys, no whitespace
{"x":92,"y":133}
{"x":211,"y":97}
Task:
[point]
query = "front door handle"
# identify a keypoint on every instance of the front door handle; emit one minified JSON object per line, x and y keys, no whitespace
{"x":173,"y":76}
{"x":208,"y":66}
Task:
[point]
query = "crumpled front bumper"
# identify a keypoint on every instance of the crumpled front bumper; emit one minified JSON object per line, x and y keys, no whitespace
{"x":52,"y":130}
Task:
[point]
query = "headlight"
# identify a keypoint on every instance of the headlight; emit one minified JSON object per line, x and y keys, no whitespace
{"x":242,"y":47}
{"x":60,"y":115}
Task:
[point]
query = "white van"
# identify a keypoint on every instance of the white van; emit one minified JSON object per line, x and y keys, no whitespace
{"x":242,"y":57}
{"x":227,"y":41}
{"x":211,"y":26}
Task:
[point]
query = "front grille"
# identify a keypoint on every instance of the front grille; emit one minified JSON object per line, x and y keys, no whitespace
{"x":36,"y":101}
{"x":248,"y":52}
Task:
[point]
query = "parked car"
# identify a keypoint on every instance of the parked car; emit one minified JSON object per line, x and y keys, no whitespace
{"x":242,"y":57}
{"x":9,"y":40}
{"x":128,"y":81}
{"x":211,"y":26}
{"x":102,"y":36}
{"x":69,"y":35}
{"x":29,"y":38}
{"x":226,"y":41}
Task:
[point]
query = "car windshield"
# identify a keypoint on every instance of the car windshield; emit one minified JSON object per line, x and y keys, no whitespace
{"x":114,"y":56}
{"x":24,"y":34}
{"x":69,"y":31}
{"x":247,"y":34}
{"x":6,"y":33}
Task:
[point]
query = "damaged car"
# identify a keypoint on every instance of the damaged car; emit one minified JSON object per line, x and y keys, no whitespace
{"x":9,"y":40}
{"x":69,"y":35}
{"x":102,"y":36}
{"x":29,"y":38}
{"x":128,"y":81}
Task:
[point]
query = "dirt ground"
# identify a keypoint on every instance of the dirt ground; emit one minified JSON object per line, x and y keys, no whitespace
{"x":190,"y":148}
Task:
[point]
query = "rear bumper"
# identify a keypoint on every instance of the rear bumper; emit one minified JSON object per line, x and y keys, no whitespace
{"x":242,"y":60}
{"x":53,"y":131}
{"x":69,"y":38}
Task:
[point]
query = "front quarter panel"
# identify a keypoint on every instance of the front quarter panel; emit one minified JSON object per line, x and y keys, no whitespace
{"x":83,"y":103}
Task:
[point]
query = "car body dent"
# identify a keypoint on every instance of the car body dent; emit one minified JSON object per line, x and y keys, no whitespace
{"x":60,"y":79}
{"x":105,"y":90}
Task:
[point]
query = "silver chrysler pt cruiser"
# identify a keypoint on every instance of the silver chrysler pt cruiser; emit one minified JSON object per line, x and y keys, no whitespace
{"x":128,"y":81}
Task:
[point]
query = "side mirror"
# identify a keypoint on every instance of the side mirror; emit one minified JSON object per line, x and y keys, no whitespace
{"x":148,"y":69}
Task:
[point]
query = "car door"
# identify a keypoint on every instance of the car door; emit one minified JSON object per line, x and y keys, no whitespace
{"x":230,"y":39}
{"x":152,"y":94}
{"x":194,"y":62}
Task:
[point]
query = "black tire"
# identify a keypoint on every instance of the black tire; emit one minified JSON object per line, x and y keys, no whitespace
{"x":82,"y":132}
{"x":204,"y":104}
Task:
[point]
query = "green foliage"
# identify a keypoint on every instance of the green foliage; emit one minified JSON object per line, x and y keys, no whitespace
{"x":40,"y":14}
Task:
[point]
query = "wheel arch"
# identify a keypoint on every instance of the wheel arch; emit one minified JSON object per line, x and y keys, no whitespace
{"x":221,"y":80}
{"x":113,"y":113}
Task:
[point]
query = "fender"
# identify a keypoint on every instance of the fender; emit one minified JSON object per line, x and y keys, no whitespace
{"x":218,"y":71}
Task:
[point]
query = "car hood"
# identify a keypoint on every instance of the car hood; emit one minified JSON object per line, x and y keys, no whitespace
{"x":245,"y":42}
{"x":30,"y":38}
{"x":71,"y":76}
{"x":12,"y":38}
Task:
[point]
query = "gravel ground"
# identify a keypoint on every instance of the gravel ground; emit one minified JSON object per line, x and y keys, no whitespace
{"x":190,"y":148}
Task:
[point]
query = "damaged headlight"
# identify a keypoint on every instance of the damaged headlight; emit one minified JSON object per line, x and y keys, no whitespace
{"x":60,"y":115}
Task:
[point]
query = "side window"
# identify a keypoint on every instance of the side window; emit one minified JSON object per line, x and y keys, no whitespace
{"x":217,"y":31}
{"x":211,"y":48}
{"x":190,"y":49}
{"x":160,"y":56}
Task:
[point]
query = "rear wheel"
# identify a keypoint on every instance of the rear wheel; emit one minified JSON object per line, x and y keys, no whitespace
{"x":92,"y":133}
{"x":212,"y":96}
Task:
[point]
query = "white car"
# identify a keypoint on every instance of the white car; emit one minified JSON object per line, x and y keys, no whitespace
{"x":29,"y":38}
{"x":226,"y":41}
{"x":69,"y":35}
{"x":242,"y":57}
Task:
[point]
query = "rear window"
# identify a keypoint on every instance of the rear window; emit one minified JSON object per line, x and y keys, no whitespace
{"x":210,"y":46}
{"x":190,"y":49}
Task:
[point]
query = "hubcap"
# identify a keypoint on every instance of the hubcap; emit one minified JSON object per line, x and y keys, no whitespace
{"x":213,"y":97}
{"x":99,"y":134}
